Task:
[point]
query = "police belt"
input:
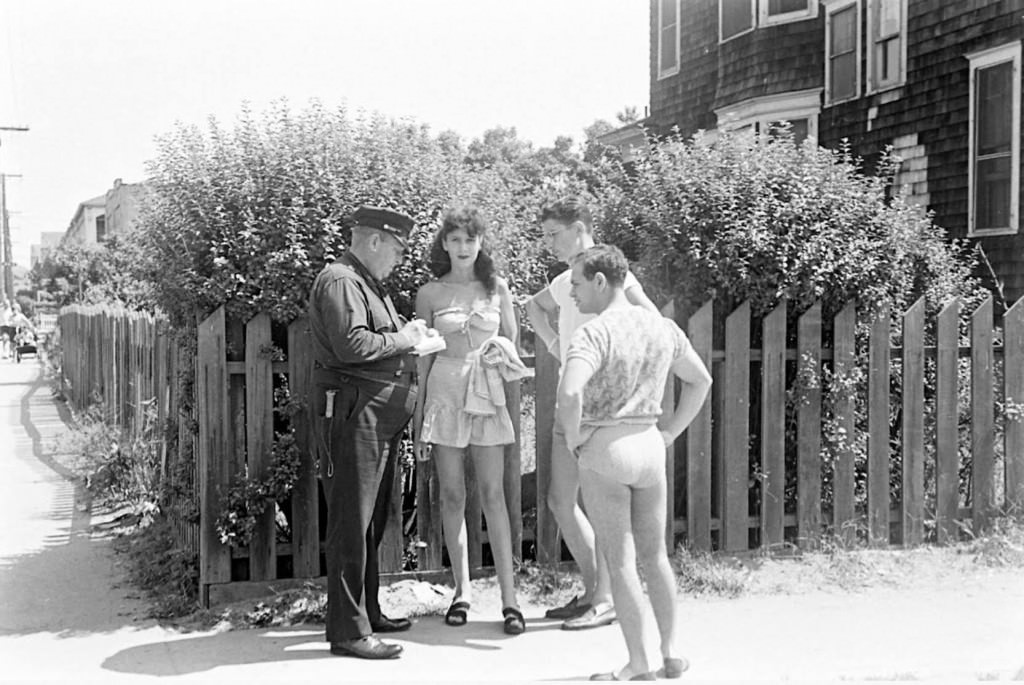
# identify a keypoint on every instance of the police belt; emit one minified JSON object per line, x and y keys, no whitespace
{"x":403,"y":374}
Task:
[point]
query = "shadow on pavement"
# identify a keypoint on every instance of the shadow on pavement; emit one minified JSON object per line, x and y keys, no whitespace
{"x":232,"y":648}
{"x":477,"y":634}
{"x":55,"y":576}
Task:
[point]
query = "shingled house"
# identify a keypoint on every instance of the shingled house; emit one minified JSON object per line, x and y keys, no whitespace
{"x":939,"y":80}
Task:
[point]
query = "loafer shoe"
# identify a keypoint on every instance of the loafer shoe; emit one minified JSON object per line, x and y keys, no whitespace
{"x":593,"y":617}
{"x":390,"y":625}
{"x":570,"y":609}
{"x":366,"y":647}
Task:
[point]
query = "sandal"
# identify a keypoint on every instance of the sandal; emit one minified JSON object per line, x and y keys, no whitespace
{"x":457,"y":614}
{"x":673,"y":668}
{"x":615,"y":676}
{"x":515,"y":624}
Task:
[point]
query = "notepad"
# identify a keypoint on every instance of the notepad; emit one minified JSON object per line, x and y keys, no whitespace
{"x":430,"y":345}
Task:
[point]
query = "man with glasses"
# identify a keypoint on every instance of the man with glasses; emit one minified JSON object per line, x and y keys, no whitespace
{"x":364,"y":393}
{"x":567,"y":225}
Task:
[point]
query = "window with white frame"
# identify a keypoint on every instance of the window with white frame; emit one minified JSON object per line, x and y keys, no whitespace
{"x":887,"y":44}
{"x":799,"y":110}
{"x":668,"y":38}
{"x":842,"y":51}
{"x":735,"y":17}
{"x":782,"y":11}
{"x":994,"y":143}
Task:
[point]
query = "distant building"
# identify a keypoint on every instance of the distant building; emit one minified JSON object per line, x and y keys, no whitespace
{"x":112,"y":214}
{"x":938,"y":80}
{"x":48,"y":241}
{"x":88,"y":226}
{"x":122,"y":207}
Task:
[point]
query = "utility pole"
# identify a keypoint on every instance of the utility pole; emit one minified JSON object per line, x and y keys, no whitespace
{"x":6,"y":259}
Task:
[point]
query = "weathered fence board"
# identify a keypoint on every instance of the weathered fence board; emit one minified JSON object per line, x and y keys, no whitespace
{"x":259,"y":439}
{"x":305,"y":495}
{"x":735,"y":471}
{"x":912,"y":477}
{"x":982,"y":419}
{"x":947,"y":453}
{"x":1013,"y":370}
{"x":773,"y":426}
{"x":698,"y":441}
{"x":808,"y":449}
{"x":548,"y":538}
{"x":211,"y":409}
{"x":878,"y":430}
{"x":668,"y":404}
{"x":844,"y":517}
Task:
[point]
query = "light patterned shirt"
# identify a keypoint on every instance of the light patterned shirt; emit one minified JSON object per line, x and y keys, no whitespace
{"x":631,"y":351}
{"x":569,"y":316}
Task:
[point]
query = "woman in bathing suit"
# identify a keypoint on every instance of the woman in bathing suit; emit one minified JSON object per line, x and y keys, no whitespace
{"x":469,"y":304}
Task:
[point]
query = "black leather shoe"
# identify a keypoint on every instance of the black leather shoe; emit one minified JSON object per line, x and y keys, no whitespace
{"x":390,"y":625}
{"x":368,"y":647}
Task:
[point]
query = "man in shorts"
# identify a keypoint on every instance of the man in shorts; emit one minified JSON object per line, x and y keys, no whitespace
{"x":610,"y":409}
{"x":568,"y":231}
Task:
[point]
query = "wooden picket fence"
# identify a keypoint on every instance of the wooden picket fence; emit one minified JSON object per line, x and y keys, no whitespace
{"x":718,"y":505}
{"x":737,"y":518}
{"x":127,"y":363}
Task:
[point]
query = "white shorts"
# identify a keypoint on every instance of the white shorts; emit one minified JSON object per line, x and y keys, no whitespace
{"x":629,"y":453}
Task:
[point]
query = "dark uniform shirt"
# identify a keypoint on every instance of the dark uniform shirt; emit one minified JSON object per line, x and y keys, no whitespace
{"x":353,"y":322}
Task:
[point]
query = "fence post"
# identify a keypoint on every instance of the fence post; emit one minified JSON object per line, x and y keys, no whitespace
{"x":700,"y":329}
{"x":212,"y":461}
{"x":1013,"y":379}
{"x":878,"y":430}
{"x":982,"y":418}
{"x":259,"y":439}
{"x":808,"y":520}
{"x":912,"y":502}
{"x":305,"y":494}
{"x":947,"y":449}
{"x":513,"y":480}
{"x":668,"y":405}
{"x":736,"y":425}
{"x":549,"y":544}
{"x":773,"y":426}
{"x":844,"y":360}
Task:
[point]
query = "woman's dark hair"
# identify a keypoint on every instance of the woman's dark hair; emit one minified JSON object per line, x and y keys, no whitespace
{"x":472,"y":221}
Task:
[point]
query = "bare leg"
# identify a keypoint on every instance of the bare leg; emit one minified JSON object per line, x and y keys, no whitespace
{"x":649,"y":512}
{"x":563,"y":495}
{"x":451,"y":475}
{"x":610,"y":505}
{"x":489,"y":463}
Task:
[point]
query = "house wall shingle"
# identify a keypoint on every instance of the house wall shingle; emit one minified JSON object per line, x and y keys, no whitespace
{"x":927,"y":117}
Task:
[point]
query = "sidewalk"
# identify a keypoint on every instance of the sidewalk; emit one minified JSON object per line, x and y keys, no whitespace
{"x":64,"y":618}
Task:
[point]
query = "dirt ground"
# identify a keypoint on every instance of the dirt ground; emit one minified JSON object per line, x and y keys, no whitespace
{"x":66,"y":616}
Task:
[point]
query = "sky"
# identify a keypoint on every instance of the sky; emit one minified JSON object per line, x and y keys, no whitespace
{"x":96,"y":80}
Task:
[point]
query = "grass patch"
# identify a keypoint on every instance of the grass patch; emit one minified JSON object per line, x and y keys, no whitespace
{"x":700,"y":573}
{"x":1002,"y":547}
{"x":156,"y":564}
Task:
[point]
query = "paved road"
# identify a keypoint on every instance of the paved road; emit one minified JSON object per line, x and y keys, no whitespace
{"x":63,"y":617}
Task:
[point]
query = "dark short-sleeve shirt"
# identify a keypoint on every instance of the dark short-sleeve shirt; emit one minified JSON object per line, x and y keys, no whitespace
{"x":352,"y":320}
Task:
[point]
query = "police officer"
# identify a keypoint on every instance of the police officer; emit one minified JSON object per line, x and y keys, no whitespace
{"x":364,"y":393}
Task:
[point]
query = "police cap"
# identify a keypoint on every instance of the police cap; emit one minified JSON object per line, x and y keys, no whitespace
{"x":397,"y":224}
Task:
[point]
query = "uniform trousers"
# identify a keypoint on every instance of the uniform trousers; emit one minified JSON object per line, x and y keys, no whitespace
{"x":358,"y":452}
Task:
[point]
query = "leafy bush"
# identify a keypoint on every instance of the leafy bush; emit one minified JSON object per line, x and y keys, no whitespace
{"x":109,"y":273}
{"x":247,"y":216}
{"x":759,"y":218}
